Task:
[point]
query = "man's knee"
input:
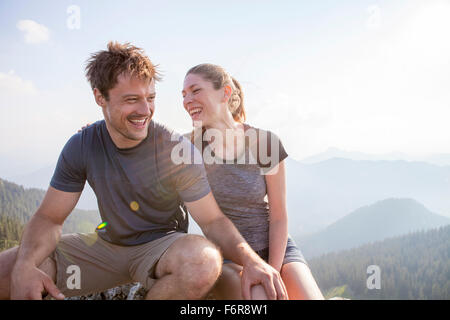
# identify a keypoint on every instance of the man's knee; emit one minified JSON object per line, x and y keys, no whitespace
{"x":197,"y":261}
{"x":201,"y":254}
{"x":203,"y":263}
{"x":7,"y":260}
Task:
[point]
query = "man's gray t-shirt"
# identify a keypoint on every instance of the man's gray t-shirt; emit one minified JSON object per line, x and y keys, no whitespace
{"x":139,"y":190}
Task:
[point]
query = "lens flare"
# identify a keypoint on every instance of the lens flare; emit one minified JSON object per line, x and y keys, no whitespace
{"x":89,"y":239}
{"x":102,"y":226}
{"x":134,"y":206}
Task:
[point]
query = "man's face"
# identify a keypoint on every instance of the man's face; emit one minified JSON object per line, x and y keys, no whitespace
{"x":129,"y":109}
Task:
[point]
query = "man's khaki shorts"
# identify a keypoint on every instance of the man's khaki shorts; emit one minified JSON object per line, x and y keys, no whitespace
{"x":101,"y":265}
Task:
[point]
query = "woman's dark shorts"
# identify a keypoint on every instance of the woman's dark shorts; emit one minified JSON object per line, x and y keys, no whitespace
{"x":293,"y":253}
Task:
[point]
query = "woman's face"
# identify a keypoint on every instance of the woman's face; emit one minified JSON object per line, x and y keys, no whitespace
{"x":204,"y":104}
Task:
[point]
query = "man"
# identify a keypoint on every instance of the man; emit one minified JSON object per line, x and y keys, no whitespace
{"x":126,"y":160}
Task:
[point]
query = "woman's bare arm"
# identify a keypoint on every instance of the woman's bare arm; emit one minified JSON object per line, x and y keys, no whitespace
{"x":278,"y":220}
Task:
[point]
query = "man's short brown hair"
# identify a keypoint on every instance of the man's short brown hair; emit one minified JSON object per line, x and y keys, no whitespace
{"x":105,"y":66}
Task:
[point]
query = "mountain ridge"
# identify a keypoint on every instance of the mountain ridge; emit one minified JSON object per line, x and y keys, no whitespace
{"x":321,"y":193}
{"x":439,"y":159}
{"x":382,"y":219}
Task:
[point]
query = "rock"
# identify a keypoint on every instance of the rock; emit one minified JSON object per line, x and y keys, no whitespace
{"x":130,"y":291}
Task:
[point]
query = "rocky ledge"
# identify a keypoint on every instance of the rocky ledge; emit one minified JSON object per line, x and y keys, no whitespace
{"x":131,"y":291}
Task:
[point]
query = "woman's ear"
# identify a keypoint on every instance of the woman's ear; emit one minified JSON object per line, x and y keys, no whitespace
{"x":227,"y":92}
{"x":99,"y":98}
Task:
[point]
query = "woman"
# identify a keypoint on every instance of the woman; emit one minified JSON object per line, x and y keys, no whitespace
{"x":214,"y":100}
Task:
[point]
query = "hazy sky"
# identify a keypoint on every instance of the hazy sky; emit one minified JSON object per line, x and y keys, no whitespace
{"x":369,"y":76}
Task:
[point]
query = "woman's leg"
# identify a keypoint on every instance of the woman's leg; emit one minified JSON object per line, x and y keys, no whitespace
{"x":228,"y":286}
{"x":299,"y":282}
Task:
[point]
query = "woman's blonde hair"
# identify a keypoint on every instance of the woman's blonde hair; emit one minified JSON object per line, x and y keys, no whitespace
{"x":220,"y":78}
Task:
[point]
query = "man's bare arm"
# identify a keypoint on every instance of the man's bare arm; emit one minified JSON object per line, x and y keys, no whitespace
{"x":39,"y":239}
{"x":220,"y":230}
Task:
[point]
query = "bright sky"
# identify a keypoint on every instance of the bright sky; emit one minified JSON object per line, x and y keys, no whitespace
{"x":369,"y":76}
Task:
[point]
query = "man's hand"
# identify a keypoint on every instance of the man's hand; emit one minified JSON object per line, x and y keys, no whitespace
{"x":259,"y":272}
{"x":31,"y":283}
{"x":39,"y":240}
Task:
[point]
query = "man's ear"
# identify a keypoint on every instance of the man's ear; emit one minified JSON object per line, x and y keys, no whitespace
{"x":227,"y":92}
{"x":99,"y":98}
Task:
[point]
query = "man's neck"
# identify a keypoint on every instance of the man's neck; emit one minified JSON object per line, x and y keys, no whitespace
{"x":119,"y":140}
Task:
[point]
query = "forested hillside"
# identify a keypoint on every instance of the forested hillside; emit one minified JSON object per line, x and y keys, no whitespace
{"x":18,"y":204}
{"x":415,"y":266}
{"x":10,"y":232}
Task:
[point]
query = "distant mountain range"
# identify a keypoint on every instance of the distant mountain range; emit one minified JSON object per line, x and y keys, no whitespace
{"x":320,"y":193}
{"x":381,"y":220}
{"x":440,"y":159}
